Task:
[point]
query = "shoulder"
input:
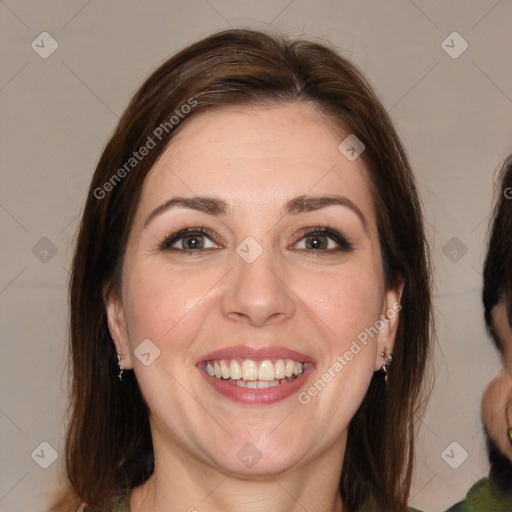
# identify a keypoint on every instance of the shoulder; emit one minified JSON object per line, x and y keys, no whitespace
{"x":483,"y":497}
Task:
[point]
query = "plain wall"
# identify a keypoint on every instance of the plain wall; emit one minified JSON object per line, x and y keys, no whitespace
{"x":454,"y":116}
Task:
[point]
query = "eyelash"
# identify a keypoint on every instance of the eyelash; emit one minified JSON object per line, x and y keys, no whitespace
{"x":344,"y":244}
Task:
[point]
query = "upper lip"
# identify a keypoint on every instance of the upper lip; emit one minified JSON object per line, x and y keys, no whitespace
{"x":257,"y":354}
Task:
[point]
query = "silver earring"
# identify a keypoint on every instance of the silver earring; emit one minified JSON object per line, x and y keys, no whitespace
{"x":121,"y":367}
{"x":388,"y":358}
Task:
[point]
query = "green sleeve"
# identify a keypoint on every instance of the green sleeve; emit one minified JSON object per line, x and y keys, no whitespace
{"x":483,"y":497}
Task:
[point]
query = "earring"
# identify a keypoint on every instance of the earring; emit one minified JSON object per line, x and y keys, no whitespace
{"x":121,"y":367}
{"x":387,"y":361}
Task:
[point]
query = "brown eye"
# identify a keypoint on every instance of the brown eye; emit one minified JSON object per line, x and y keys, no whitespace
{"x":323,"y":239}
{"x":188,"y":240}
{"x":193,"y":242}
{"x":317,"y":242}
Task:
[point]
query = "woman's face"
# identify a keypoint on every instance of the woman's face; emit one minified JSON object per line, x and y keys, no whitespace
{"x":256,"y":295}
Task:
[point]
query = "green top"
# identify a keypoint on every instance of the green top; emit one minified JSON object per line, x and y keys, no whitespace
{"x":483,"y":497}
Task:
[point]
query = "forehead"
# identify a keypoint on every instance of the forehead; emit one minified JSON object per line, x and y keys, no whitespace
{"x":257,"y":157}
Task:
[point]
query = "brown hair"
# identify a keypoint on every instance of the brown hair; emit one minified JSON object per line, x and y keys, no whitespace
{"x":108,"y":445}
{"x":498,"y":262}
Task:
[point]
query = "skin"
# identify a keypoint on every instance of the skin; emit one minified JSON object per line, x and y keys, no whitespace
{"x":498,"y":393}
{"x":189,"y":305}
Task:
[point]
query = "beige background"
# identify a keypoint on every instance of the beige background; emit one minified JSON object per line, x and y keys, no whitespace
{"x":454,"y":115}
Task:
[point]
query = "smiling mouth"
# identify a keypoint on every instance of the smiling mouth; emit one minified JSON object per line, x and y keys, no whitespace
{"x":249,"y":373}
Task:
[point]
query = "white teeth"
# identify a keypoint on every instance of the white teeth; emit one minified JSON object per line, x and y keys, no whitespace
{"x":266,"y":371}
{"x":254,"y":374}
{"x":249,"y":370}
{"x":224,"y":369}
{"x":235,"y":372}
{"x":279,"y":369}
{"x":257,"y":384}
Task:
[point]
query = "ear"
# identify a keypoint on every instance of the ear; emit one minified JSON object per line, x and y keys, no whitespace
{"x":117,"y":324}
{"x":389,"y":320}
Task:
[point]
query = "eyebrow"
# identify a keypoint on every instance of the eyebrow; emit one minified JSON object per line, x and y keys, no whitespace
{"x":212,"y":205}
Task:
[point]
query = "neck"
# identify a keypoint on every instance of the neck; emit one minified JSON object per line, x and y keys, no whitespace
{"x":181,"y":482}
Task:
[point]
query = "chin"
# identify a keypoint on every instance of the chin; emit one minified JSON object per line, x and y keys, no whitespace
{"x":255,"y":464}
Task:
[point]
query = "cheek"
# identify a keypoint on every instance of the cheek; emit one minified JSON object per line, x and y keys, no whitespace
{"x":345,"y":302}
{"x":160,"y":299}
{"x":167,"y":308}
{"x":345,"y":307}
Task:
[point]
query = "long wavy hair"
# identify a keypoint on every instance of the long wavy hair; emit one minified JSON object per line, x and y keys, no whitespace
{"x":108,"y":442}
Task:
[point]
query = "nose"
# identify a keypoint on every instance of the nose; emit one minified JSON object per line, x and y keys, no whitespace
{"x":259,"y":293}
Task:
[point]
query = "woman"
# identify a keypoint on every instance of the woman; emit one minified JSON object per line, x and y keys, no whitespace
{"x":494,"y":494}
{"x":250,"y":255}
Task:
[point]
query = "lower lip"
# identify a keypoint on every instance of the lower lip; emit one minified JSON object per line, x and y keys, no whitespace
{"x":255,"y":395}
